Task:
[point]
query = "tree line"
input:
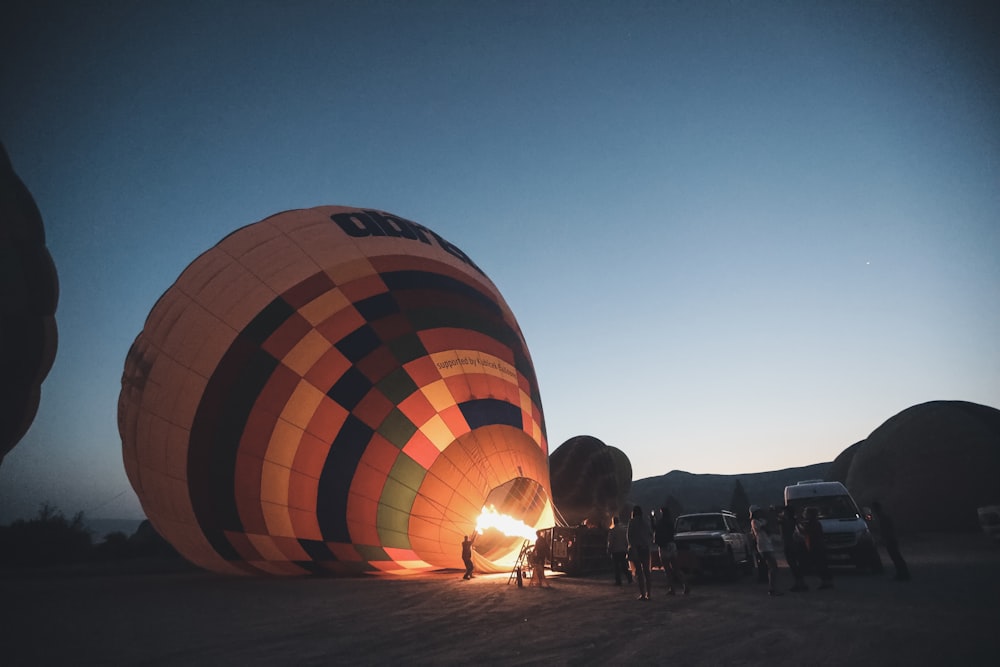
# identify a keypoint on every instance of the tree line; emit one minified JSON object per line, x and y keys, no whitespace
{"x":50,"y":538}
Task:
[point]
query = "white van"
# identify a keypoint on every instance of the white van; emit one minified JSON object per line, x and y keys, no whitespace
{"x":845,"y":530}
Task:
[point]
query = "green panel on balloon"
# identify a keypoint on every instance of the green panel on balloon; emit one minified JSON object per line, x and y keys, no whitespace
{"x":397,"y":429}
{"x":397,"y":498}
{"x":371,"y":552}
{"x":397,"y":386}
{"x":393,"y":525}
{"x":403,"y":483}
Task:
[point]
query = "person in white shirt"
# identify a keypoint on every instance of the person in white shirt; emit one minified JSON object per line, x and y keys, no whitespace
{"x":765,"y":548}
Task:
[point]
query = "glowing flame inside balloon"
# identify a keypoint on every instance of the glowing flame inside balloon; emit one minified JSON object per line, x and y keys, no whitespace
{"x":508,"y":525}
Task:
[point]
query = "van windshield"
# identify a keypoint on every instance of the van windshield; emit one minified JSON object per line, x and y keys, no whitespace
{"x":830,"y":507}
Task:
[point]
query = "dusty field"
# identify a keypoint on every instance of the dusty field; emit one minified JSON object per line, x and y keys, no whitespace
{"x":949,"y":614}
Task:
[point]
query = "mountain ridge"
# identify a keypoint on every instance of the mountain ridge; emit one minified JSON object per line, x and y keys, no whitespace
{"x":702,"y":492}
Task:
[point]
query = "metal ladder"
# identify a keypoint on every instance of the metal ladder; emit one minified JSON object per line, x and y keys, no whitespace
{"x":516,"y":572}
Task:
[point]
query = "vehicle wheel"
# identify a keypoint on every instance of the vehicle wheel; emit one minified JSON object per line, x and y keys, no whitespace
{"x":748,"y":563}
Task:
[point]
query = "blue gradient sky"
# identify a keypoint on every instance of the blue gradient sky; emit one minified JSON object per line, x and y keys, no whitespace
{"x":737,"y":236}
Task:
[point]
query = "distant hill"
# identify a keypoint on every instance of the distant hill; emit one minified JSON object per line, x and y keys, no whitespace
{"x":703,"y":493}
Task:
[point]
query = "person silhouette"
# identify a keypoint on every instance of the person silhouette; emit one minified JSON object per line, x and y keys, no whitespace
{"x":663,"y":537}
{"x":467,"y":556}
{"x":540,"y":554}
{"x":887,"y":530}
{"x":816,"y":547}
{"x":639,"y":541}
{"x":618,"y":550}
{"x":765,"y":548}
{"x":791,"y":539}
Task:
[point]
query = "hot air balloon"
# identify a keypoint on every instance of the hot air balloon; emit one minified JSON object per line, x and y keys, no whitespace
{"x":590,"y":480}
{"x":29,"y":292}
{"x":337,"y":391}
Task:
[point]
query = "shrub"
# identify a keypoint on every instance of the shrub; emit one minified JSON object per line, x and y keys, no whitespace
{"x":48,"y":539}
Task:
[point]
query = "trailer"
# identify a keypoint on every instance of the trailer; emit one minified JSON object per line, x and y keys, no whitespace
{"x":580,"y":550}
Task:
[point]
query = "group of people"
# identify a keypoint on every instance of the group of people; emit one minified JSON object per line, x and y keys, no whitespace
{"x":631,"y":544}
{"x":631,"y":547}
{"x":805,"y":547}
{"x":802,"y":544}
{"x":537,"y":555}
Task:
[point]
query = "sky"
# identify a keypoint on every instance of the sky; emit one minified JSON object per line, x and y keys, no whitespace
{"x":737,"y":236}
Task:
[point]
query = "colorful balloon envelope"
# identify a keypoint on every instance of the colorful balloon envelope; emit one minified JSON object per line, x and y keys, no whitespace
{"x":334,"y":390}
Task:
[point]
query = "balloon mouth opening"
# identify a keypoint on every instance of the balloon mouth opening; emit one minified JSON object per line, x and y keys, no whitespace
{"x":511,"y":514}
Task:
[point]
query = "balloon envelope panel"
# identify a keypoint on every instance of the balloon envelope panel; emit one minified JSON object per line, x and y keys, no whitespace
{"x":29,"y":292}
{"x":331,"y":390}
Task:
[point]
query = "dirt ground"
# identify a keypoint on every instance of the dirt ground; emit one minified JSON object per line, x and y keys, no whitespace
{"x":948,"y":614}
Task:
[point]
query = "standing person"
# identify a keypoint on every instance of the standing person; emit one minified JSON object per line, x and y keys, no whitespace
{"x":887,"y":529}
{"x":816,"y":548}
{"x":639,"y":541}
{"x":790,"y":537}
{"x":765,"y":548}
{"x":762,"y":569}
{"x":467,"y":556}
{"x":538,"y":558}
{"x":618,"y":550}
{"x":663,"y":537}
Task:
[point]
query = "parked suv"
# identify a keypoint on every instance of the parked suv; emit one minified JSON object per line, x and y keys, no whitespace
{"x":713,"y":543}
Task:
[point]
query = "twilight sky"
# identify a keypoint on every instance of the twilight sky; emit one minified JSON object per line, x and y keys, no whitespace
{"x":737,"y":236}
